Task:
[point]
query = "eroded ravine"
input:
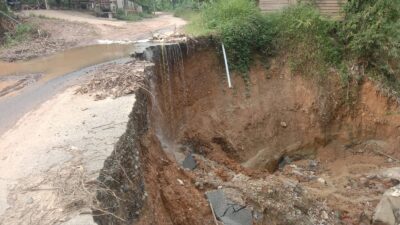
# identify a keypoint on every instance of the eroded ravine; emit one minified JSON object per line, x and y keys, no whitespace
{"x":302,"y":128}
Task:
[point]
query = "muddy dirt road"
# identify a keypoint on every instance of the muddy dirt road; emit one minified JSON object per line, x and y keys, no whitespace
{"x":61,"y":30}
{"x":50,"y":157}
{"x":115,"y":30}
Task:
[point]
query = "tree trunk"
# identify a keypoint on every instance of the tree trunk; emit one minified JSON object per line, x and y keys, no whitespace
{"x":46,"y":4}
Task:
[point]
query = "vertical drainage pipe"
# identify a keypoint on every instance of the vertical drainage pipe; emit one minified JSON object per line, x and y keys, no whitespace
{"x":226,"y":67}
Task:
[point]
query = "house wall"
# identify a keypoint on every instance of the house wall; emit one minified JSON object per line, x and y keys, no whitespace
{"x":330,"y":7}
{"x":327,"y":7}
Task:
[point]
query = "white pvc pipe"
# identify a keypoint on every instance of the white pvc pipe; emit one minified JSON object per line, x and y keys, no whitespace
{"x":226,"y":67}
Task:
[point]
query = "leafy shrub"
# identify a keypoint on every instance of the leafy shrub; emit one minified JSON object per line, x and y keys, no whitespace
{"x":300,"y":31}
{"x":22,"y":32}
{"x":308,"y":39}
{"x":187,"y":8}
{"x":371,"y":28}
{"x":3,"y":6}
{"x":371,"y":34}
{"x":240,"y":26}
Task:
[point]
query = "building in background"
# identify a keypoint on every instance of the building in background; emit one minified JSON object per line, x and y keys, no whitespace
{"x":327,"y":7}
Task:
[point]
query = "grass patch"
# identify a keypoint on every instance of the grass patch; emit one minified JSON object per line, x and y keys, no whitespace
{"x":371,"y":37}
{"x":240,"y":26}
{"x":22,"y":32}
{"x":187,"y":9}
{"x":306,"y":37}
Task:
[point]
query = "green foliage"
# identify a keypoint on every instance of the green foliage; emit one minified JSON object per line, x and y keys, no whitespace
{"x":3,"y":6}
{"x":307,"y":38}
{"x":22,"y":32}
{"x":371,"y":34}
{"x":187,"y":9}
{"x":300,"y":31}
{"x":371,"y":28}
{"x":241,"y":27}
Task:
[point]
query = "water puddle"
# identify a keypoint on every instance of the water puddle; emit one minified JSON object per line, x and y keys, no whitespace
{"x":67,"y":61}
{"x":25,"y":85}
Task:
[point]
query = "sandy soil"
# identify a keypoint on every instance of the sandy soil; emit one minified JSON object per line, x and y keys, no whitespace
{"x":51,"y":157}
{"x":47,"y":168}
{"x":114,"y":30}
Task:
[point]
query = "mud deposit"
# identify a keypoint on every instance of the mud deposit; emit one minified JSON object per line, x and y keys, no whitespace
{"x":289,"y":148}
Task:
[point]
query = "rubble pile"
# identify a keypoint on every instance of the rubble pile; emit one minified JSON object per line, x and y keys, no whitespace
{"x":114,"y":80}
{"x":173,"y":37}
{"x":276,"y":199}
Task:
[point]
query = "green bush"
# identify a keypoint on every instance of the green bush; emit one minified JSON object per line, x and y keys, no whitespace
{"x":308,"y":39}
{"x":187,"y":8}
{"x":22,"y":32}
{"x":300,"y":31}
{"x":371,"y":34}
{"x":371,"y":29}
{"x":3,"y":6}
{"x":240,"y":26}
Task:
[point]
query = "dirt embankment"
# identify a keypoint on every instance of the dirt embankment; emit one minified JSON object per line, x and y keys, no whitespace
{"x":323,"y":145}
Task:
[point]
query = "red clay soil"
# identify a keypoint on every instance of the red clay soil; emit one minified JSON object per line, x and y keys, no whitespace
{"x":281,"y":114}
{"x":240,"y":135}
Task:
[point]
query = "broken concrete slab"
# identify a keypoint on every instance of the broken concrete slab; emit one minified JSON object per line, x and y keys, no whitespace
{"x":237,"y":215}
{"x":189,"y":162}
{"x":392,"y":173}
{"x":388,"y":210}
{"x":228,"y":212}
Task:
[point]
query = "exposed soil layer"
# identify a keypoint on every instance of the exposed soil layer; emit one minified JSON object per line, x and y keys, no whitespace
{"x":323,"y":148}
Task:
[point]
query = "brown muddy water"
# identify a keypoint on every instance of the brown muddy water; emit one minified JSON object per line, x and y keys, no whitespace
{"x":53,"y":74}
{"x":67,"y":61}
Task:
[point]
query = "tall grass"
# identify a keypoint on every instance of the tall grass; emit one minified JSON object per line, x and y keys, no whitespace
{"x":22,"y":32}
{"x":240,"y":26}
{"x":307,"y":38}
{"x":371,"y":36}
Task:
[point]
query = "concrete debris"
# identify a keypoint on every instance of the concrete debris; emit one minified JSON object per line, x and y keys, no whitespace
{"x":189,"y":162}
{"x":388,"y":210}
{"x":313,"y":164}
{"x":228,"y":212}
{"x":321,"y":180}
{"x":392,"y":173}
